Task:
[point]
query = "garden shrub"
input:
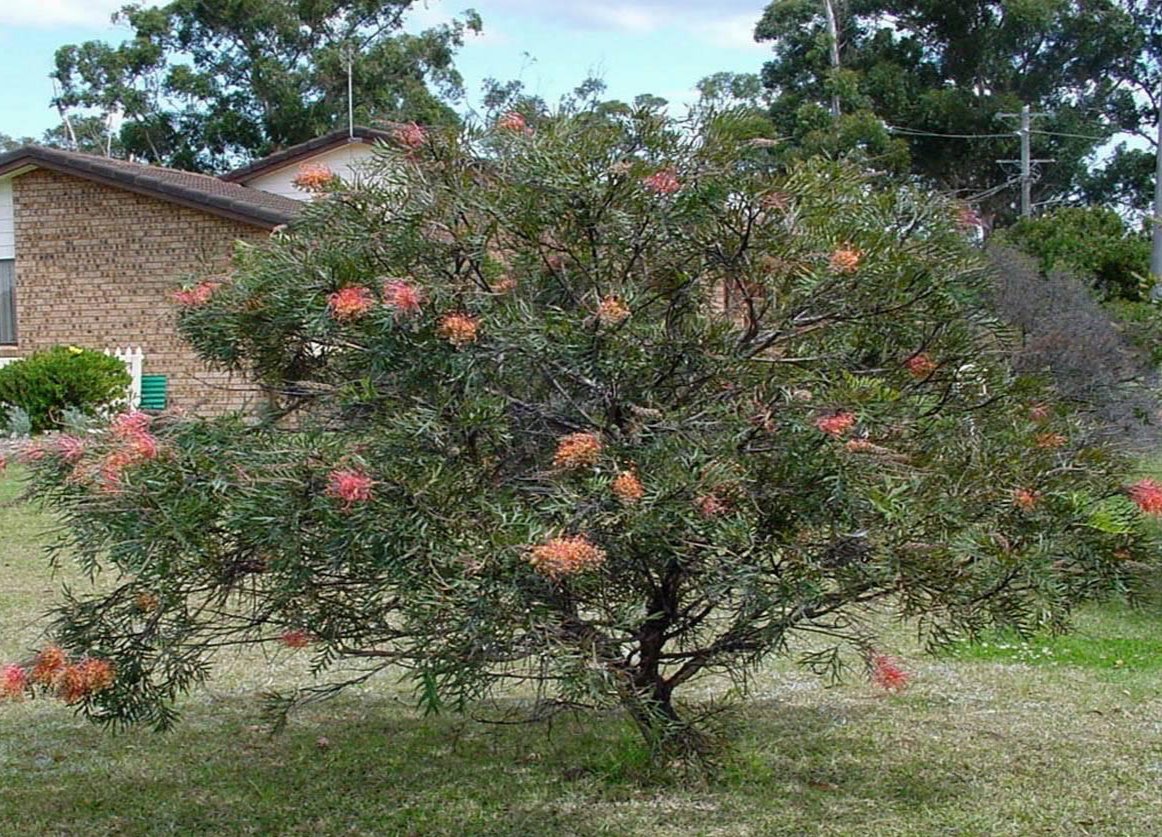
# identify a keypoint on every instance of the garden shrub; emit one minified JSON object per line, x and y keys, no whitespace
{"x":48,"y":382}
{"x":604,"y":405}
{"x":1090,"y":241}
{"x":1067,"y":335}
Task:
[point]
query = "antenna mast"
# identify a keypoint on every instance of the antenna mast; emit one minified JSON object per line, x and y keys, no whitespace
{"x":350,"y":55}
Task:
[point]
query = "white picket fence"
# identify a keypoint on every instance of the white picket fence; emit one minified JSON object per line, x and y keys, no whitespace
{"x":134,"y":360}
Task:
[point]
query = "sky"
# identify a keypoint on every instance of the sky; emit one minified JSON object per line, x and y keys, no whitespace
{"x":661,"y":47}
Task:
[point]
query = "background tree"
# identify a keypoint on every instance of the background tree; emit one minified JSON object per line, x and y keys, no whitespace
{"x":603,"y":407}
{"x":203,"y":86}
{"x":931,"y":69}
{"x":1127,"y":178}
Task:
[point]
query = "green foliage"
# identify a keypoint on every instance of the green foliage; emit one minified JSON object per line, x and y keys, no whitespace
{"x":48,"y":383}
{"x":605,"y":407}
{"x":201,"y":86}
{"x":935,"y":69}
{"x":1092,"y":241}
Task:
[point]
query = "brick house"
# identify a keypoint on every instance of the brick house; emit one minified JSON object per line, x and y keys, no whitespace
{"x":91,"y":249}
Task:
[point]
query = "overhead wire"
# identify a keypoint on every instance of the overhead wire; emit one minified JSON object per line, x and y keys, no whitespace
{"x":916,"y":133}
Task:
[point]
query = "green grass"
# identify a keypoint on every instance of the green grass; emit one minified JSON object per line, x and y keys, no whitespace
{"x":979,"y":745}
{"x":1113,"y":637}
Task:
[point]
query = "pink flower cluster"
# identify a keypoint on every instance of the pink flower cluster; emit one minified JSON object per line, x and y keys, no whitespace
{"x":296,"y":638}
{"x":402,"y":296}
{"x":887,"y":673}
{"x":137,"y":445}
{"x":1147,"y":495}
{"x":410,"y":136}
{"x":920,"y":366}
{"x":835,"y":424}
{"x":349,"y":485}
{"x":198,"y":295}
{"x":13,"y":682}
{"x":662,"y":182}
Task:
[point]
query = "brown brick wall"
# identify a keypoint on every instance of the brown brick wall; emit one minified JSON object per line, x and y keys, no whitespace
{"x":96,"y":267}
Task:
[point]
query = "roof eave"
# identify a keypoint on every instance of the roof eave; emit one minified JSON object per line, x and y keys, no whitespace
{"x":295,"y":153}
{"x":28,"y":157}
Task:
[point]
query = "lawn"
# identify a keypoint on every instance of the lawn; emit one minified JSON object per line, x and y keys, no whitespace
{"x":1059,"y":736}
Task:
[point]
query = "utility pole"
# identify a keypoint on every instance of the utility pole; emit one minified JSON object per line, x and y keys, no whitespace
{"x":1026,"y":164}
{"x":833,"y":34}
{"x":349,"y":54}
{"x":1156,"y":220}
{"x":1026,"y":134}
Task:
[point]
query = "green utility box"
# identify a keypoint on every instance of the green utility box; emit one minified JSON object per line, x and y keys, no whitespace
{"x":153,"y":392}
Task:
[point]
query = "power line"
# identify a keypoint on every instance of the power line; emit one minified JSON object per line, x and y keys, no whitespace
{"x":915,"y":133}
{"x":1074,"y":136}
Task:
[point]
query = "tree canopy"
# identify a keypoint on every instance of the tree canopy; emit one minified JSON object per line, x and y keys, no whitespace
{"x":921,"y":85}
{"x":202,"y":86}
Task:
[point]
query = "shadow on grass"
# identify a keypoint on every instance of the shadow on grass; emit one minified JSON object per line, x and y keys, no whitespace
{"x":373,"y":767}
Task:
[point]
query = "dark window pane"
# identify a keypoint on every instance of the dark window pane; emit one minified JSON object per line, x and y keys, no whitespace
{"x":7,"y":301}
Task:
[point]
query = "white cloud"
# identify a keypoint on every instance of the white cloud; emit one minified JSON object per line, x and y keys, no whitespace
{"x":733,"y":33}
{"x":48,"y":13}
{"x":727,"y":24}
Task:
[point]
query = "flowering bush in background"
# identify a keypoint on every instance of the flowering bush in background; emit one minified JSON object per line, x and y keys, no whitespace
{"x":611,"y":405}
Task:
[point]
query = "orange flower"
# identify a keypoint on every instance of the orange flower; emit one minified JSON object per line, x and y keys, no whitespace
{"x":561,"y":557}
{"x":1026,"y":499}
{"x":71,"y":685}
{"x":88,"y":677}
{"x":313,"y":178}
{"x":845,"y":260}
{"x":350,"y":303}
{"x":512,"y":121}
{"x":458,"y":329}
{"x":577,"y":450}
{"x":1147,"y":495}
{"x":627,"y":487}
{"x":860,"y":446}
{"x":611,"y":311}
{"x":1050,"y":440}
{"x":146,"y":602}
{"x":97,"y":674}
{"x":112,"y":469}
{"x":920,"y":366}
{"x":48,"y":665}
{"x":835,"y":424}
{"x":504,"y":285}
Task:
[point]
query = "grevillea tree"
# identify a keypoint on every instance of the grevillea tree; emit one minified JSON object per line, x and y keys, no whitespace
{"x":607,"y":405}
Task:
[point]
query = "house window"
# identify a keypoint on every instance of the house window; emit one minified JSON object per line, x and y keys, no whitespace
{"x":7,"y":301}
